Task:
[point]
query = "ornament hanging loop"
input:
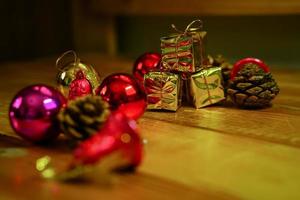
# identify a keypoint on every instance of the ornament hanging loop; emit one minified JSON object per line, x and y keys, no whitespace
{"x":64,"y":59}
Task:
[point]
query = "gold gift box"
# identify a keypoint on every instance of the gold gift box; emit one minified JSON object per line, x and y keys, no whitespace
{"x":163,"y":90}
{"x":184,"y":52}
{"x":206,"y":87}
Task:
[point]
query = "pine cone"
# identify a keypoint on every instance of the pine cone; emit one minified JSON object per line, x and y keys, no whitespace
{"x":83,"y":116}
{"x":221,"y":61}
{"x":252,"y":87}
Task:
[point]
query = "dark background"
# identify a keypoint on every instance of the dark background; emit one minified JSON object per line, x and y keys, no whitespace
{"x":32,"y":29}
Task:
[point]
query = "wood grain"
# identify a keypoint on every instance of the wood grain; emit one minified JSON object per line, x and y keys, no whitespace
{"x":219,"y":152}
{"x":246,"y":168}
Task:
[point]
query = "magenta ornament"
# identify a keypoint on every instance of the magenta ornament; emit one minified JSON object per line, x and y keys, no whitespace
{"x":33,"y":112}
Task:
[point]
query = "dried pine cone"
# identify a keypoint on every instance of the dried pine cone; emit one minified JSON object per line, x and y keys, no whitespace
{"x":252,"y":87}
{"x":83,"y":116}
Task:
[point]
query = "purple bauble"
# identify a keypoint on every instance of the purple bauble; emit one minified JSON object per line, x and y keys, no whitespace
{"x":33,"y":112}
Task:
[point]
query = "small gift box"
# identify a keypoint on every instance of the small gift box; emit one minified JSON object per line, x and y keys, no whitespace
{"x":163,"y":90}
{"x":206,"y":87}
{"x":183,"y":52}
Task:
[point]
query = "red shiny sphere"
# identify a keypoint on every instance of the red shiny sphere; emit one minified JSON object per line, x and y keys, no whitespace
{"x":145,"y":63}
{"x":241,"y":63}
{"x":124,"y":93}
{"x":33,"y":112}
{"x":80,"y":86}
{"x":118,"y":134}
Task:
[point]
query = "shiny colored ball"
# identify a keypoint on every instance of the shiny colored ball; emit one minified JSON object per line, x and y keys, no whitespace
{"x":118,"y":135}
{"x":145,"y":63}
{"x":80,"y":86}
{"x":124,"y":93}
{"x":241,"y":63}
{"x":68,"y":74}
{"x":33,"y":113}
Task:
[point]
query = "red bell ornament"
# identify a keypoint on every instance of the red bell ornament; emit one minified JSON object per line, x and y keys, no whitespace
{"x":124,"y":93}
{"x":118,"y":135}
{"x":80,"y":86}
{"x":144,"y":64}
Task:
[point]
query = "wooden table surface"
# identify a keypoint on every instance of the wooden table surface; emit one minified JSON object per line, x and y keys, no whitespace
{"x":211,"y":153}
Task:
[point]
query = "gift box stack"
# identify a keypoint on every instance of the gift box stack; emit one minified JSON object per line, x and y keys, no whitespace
{"x":185,"y":73}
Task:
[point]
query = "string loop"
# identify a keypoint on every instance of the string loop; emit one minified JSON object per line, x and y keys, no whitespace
{"x":62,"y":61}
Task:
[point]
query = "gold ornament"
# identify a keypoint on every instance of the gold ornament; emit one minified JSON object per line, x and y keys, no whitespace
{"x":68,"y":65}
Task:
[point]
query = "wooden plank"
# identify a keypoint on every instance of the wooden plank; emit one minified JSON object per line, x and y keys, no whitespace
{"x":263,"y":125}
{"x":196,"y":7}
{"x":242,"y":167}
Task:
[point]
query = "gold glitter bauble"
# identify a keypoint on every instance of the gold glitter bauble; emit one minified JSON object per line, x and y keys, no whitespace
{"x":68,"y":65}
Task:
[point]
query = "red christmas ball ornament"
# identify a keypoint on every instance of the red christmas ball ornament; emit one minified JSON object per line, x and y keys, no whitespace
{"x":80,"y":86}
{"x":241,"y":63}
{"x":118,"y":135}
{"x":145,"y":63}
{"x":33,"y":112}
{"x":124,"y":93}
